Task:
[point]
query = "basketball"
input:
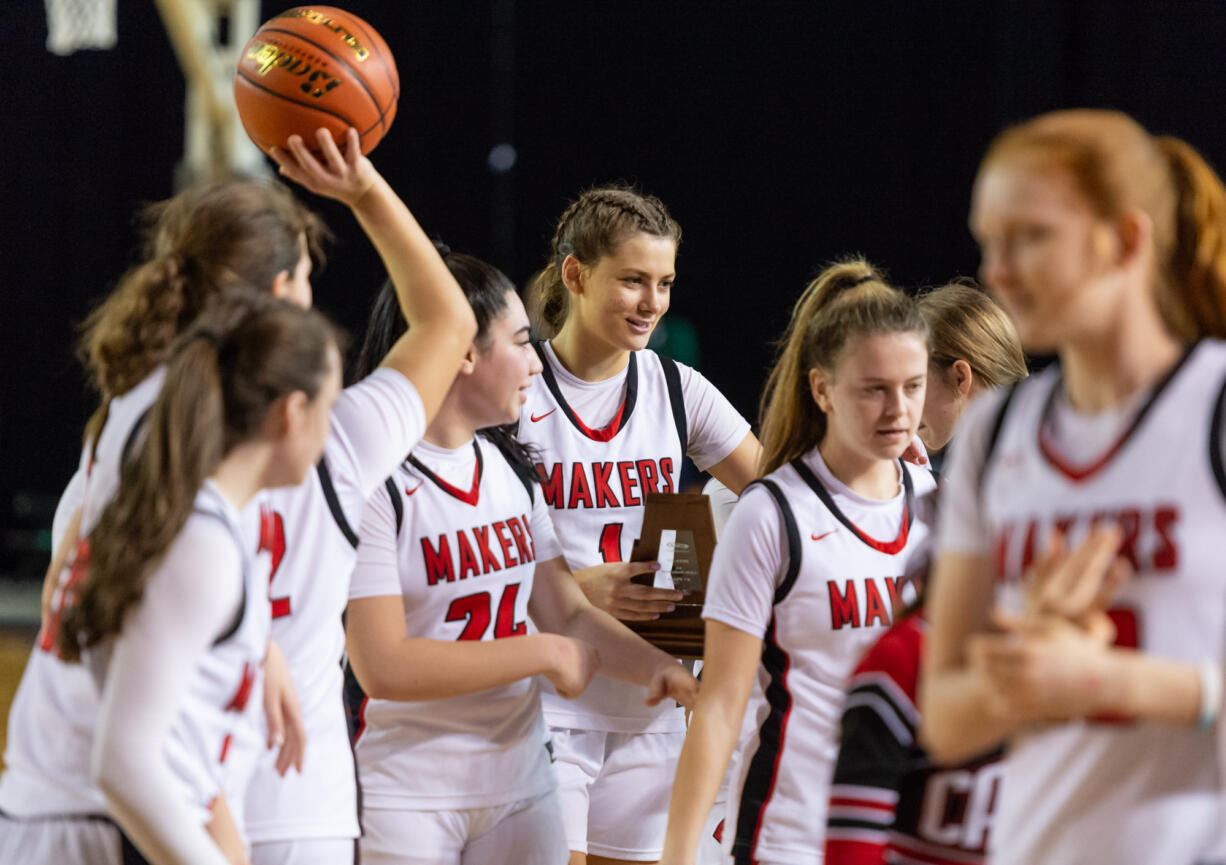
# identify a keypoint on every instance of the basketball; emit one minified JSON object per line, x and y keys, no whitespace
{"x":312,"y":67}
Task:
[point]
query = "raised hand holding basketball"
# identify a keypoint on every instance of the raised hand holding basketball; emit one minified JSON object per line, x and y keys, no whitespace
{"x":347,"y":176}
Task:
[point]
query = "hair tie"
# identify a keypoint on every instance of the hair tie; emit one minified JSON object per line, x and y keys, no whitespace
{"x":443,"y":249}
{"x":565,"y":248}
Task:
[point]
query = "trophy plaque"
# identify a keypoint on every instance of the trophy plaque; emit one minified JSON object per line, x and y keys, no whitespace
{"x":679,"y":533}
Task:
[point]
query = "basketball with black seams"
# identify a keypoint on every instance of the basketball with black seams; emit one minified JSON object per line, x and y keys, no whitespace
{"x":312,"y":67}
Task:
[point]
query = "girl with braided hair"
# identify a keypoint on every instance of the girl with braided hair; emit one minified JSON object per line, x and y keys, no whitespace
{"x":612,"y":420}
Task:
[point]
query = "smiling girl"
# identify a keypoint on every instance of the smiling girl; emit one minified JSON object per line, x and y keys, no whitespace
{"x":612,"y":421}
{"x":807,"y":566}
{"x":457,"y":554}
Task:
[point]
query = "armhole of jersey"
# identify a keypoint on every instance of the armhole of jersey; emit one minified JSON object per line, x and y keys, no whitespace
{"x":334,"y":504}
{"x":233,"y":627}
{"x":793,"y":536}
{"x":1215,"y":440}
{"x":129,"y":444}
{"x":676,"y":398}
{"x":393,"y":493}
{"x":994,"y":435}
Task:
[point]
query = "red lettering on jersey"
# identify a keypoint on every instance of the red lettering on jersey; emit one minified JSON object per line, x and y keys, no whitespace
{"x":473,"y":608}
{"x":521,"y":542}
{"x":65,"y":596}
{"x":1166,"y":557}
{"x":551,"y":483}
{"x":527,"y":524}
{"x":875,"y":610}
{"x":666,"y":474}
{"x":648,"y":477}
{"x":580,"y":492}
{"x":504,"y":541}
{"x":844,"y":606}
{"x":601,"y":472}
{"x":1002,"y":552}
{"x":243,"y":693}
{"x":629,"y":482}
{"x":894,"y":584}
{"x":505,"y":625}
{"x":468,"y":559}
{"x":438,"y":561}
{"x":1028,"y":547}
{"x":1130,"y":525}
{"x":488,"y":562}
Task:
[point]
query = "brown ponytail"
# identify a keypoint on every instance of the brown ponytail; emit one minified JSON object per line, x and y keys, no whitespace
{"x":848,"y":300}
{"x":204,"y":240}
{"x":590,"y":228}
{"x":965,"y":324}
{"x":223,"y":376}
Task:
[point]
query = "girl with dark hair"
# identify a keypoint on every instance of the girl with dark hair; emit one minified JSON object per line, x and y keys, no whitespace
{"x":612,"y":421}
{"x":1106,"y":245}
{"x":457,"y":554}
{"x":170,"y":609}
{"x":806,"y":567}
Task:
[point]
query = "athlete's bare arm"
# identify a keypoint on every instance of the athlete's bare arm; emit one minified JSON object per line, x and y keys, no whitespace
{"x":730,"y":663}
{"x":736,"y":470}
{"x":559,"y":606}
{"x":441,"y":321}
{"x":391,"y":665}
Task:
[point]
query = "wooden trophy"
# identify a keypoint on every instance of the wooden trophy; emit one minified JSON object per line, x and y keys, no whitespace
{"x":679,"y":533}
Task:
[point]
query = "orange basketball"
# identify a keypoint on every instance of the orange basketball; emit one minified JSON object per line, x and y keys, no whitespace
{"x":312,"y":67}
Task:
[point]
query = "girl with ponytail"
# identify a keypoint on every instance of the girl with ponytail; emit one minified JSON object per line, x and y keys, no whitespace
{"x":170,"y":609}
{"x":446,"y":697}
{"x":1106,"y":245}
{"x":807,"y":566}
{"x":612,"y":421}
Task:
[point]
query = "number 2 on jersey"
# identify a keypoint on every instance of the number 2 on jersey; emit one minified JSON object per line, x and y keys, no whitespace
{"x":476,"y":609}
{"x":272,"y":541}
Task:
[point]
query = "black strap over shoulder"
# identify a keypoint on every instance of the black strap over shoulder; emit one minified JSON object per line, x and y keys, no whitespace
{"x":236,"y":622}
{"x":1215,"y":439}
{"x":793,"y":536}
{"x":334,"y":503}
{"x":129,"y":444}
{"x":393,"y":492}
{"x":526,"y":474}
{"x":998,"y":424}
{"x":672,"y":379}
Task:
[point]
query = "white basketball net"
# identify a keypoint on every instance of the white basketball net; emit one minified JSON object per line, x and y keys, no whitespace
{"x":74,"y":24}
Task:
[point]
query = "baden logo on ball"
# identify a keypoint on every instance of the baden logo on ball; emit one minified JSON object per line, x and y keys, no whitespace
{"x":312,"y":67}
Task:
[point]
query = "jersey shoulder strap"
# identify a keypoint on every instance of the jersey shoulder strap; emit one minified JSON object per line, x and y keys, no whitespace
{"x":231,"y":629}
{"x":676,"y":398}
{"x":998,"y":424}
{"x":334,"y":503}
{"x":393,"y":493}
{"x":793,"y":536}
{"x":129,"y":444}
{"x":1215,"y":439}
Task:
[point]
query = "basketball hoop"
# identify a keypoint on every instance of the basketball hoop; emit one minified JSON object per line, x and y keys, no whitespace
{"x":75,"y":24}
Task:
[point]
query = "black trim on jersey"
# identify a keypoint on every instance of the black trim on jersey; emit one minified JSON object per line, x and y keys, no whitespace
{"x":551,"y":381}
{"x":442,"y":484}
{"x":1157,"y":390}
{"x":897,"y":713}
{"x":763,"y":767}
{"x":994,"y":434}
{"x":676,"y":398}
{"x":793,"y":536}
{"x":1215,"y":440}
{"x":128,"y":852}
{"x":334,"y":503}
{"x":234,"y":625}
{"x":810,"y":479}
{"x":393,"y":493}
{"x":352,"y":696}
{"x":130,"y":442}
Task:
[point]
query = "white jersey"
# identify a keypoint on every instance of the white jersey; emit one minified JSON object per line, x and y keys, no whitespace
{"x":54,"y":712}
{"x":816,"y":612}
{"x":219,"y":727}
{"x":463,"y":558}
{"x":596,"y":478}
{"x":1107,"y":790}
{"x":309,"y":535}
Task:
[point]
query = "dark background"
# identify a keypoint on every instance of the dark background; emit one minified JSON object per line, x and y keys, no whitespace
{"x":780,"y":134}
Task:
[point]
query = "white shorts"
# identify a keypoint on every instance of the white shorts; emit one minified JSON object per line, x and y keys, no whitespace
{"x":61,"y":841}
{"x":615,"y":789}
{"x":311,"y":851}
{"x":528,"y":832}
